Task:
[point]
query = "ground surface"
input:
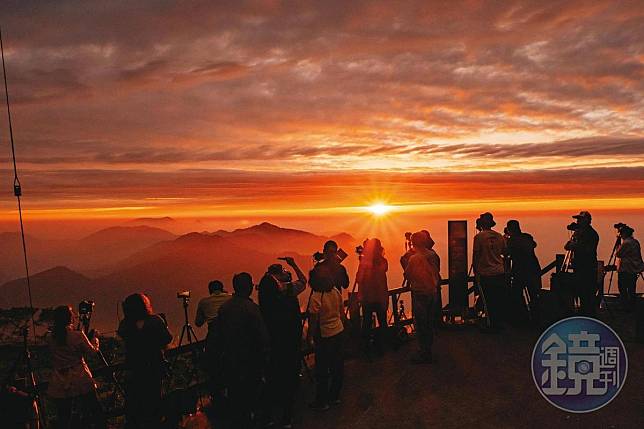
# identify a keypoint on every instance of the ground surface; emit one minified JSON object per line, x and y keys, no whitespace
{"x":480,"y":380}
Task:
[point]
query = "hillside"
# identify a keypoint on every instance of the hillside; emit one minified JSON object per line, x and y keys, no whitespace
{"x":49,"y":288}
{"x":93,"y":255}
{"x":165,"y":265}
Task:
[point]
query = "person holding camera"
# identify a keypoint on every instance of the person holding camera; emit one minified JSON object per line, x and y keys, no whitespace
{"x":280,"y":307}
{"x":583,"y":253}
{"x":526,"y":270}
{"x":422,"y":271}
{"x":489,"y":268}
{"x":245,"y":347}
{"x":71,"y":384}
{"x":146,"y":335}
{"x":630,"y":265}
{"x":373,"y":292}
{"x":329,"y":269}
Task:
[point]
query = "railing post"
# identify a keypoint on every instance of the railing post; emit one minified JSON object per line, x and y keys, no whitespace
{"x":559,"y":258}
{"x":394,"y":308}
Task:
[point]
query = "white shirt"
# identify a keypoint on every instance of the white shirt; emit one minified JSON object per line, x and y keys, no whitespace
{"x":328,"y":306}
{"x":489,"y":246}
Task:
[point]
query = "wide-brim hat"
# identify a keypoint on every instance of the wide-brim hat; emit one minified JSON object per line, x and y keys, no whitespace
{"x":275,"y":269}
{"x":486,"y":220}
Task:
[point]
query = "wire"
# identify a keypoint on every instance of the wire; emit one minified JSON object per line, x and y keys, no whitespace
{"x":17,"y":190}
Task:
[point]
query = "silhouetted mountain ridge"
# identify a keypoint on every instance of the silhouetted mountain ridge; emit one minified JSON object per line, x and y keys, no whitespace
{"x":160,"y":269}
{"x":51,"y":287}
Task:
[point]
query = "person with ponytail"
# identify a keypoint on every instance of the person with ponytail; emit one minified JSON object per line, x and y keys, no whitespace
{"x":71,"y":386}
{"x":145,"y":335}
{"x":373,"y":293}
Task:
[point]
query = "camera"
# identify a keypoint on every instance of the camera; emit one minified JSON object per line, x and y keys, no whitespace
{"x":359,"y":250}
{"x":85,"y":308}
{"x":619,"y":226}
{"x":183,"y":295}
{"x":574,"y":226}
{"x":318,"y":256}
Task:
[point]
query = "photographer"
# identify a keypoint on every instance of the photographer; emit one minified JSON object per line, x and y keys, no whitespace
{"x":583,"y":249}
{"x":329,"y":269}
{"x":489,"y":268}
{"x":208,"y":307}
{"x":630,"y":266}
{"x":280,"y":308}
{"x":326,"y":328}
{"x":526,"y":270}
{"x":423,"y":273}
{"x":208,"y":312}
{"x":145,"y":335}
{"x":71,"y":383}
{"x":245,"y":346}
{"x":373,"y":292}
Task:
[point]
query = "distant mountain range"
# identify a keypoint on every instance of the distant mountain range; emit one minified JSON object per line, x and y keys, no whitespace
{"x":112,"y":263}
{"x":91,"y":255}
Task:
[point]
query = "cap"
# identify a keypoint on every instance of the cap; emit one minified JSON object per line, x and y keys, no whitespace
{"x":430,"y":241}
{"x":275,"y":269}
{"x":583,"y":215}
{"x":419,"y":239}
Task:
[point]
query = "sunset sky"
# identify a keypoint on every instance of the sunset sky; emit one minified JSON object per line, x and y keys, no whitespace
{"x":150,"y":108}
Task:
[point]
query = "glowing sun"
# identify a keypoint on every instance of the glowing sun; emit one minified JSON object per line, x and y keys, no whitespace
{"x":379,"y":209}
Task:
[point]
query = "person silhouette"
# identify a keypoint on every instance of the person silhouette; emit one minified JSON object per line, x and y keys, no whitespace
{"x":245,"y":350}
{"x":145,"y":335}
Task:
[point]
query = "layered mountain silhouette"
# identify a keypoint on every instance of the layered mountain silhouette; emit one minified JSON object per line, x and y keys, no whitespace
{"x":54,"y":286}
{"x":165,"y":265}
{"x":92,"y":255}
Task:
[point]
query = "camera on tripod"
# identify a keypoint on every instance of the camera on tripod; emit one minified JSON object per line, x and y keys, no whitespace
{"x":86,"y":307}
{"x":574,"y":226}
{"x":85,"y":310}
{"x":183,"y":294}
{"x":359,"y":250}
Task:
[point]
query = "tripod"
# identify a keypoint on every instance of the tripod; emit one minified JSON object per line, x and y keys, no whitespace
{"x":355,"y":284}
{"x":483,"y":315}
{"x":84,"y":323}
{"x":30,"y":378}
{"x":187,"y":330}
{"x":612,"y":261}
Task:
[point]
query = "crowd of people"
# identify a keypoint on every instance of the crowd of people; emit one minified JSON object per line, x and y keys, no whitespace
{"x":254,"y":350}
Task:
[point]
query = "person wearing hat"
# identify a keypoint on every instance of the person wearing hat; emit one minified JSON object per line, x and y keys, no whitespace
{"x":630,"y":265}
{"x":329,"y":270}
{"x":280,"y":308}
{"x":526,"y":270}
{"x":583,"y":247}
{"x":489,"y":267}
{"x":423,"y":274}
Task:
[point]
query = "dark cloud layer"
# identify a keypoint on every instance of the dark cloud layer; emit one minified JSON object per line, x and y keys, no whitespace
{"x":458,"y":86}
